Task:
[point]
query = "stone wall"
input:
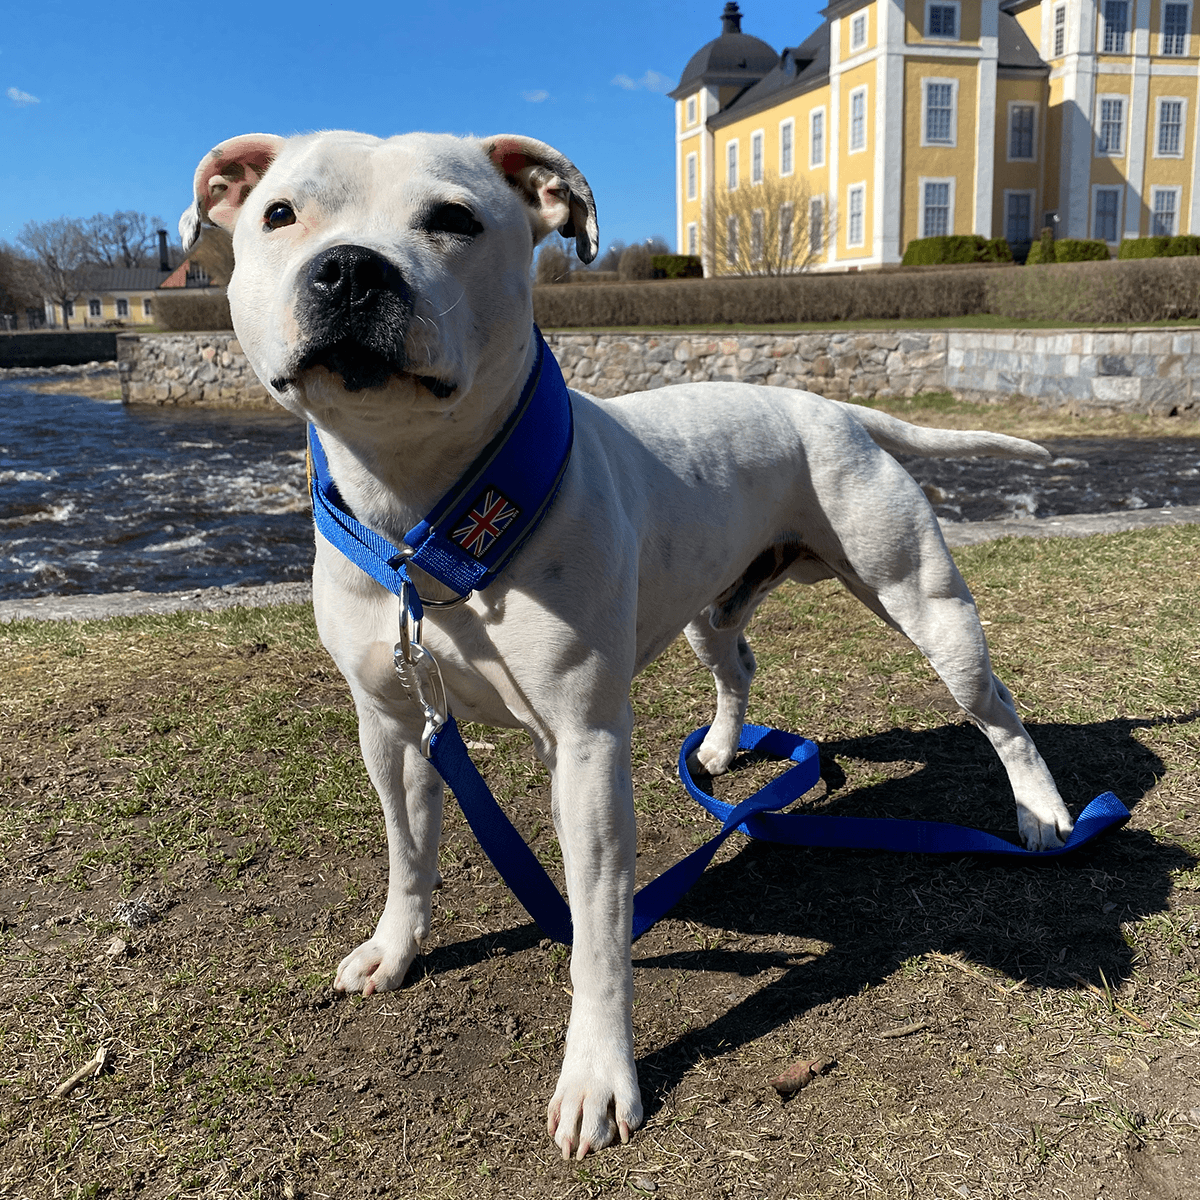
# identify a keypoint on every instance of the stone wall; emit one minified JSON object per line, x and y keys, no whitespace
{"x":1155,"y":370}
{"x":57,"y":348}
{"x":187,"y":368}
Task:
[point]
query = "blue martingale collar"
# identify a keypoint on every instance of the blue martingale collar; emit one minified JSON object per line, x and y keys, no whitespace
{"x":472,"y":533}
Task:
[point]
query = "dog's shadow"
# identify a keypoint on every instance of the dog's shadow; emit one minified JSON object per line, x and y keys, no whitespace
{"x":875,"y":910}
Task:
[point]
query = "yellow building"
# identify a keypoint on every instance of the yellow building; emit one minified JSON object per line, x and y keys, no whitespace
{"x":901,"y":119}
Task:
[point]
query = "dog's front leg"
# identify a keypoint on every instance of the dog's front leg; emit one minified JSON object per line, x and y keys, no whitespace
{"x":411,"y":792}
{"x":597,"y":1097}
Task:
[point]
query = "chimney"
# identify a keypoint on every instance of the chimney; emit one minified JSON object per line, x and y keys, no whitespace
{"x":731,"y":19}
{"x":164,"y":262}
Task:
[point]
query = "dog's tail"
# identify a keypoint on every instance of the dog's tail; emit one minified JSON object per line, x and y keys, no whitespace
{"x":899,"y":437}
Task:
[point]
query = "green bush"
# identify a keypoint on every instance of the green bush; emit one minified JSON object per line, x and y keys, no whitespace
{"x":1183,"y":246}
{"x":187,"y":310}
{"x":1068,"y":250}
{"x":1147,"y":247}
{"x":957,"y":248}
{"x":677,"y":266}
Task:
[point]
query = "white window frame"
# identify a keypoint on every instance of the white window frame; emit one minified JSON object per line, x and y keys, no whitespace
{"x":1032,"y":194}
{"x":787,"y":223}
{"x":758,"y":234}
{"x":1033,"y":140}
{"x":1058,"y":26}
{"x":69,"y":309}
{"x":1155,"y":192}
{"x":851,"y":148}
{"x":1162,"y":34}
{"x":1107,"y":187}
{"x":147,"y":307}
{"x":732,"y":165}
{"x":691,"y":111}
{"x":921,"y":182}
{"x":691,"y":174}
{"x":758,"y":157}
{"x":1101,"y":97}
{"x":1102,"y":39}
{"x":813,"y":160}
{"x":816,"y":244}
{"x":790,"y":126}
{"x":1159,"y":101}
{"x":861,"y":189}
{"x":122,"y":308}
{"x":693,"y":238}
{"x":925,"y":84}
{"x":857,"y":21}
{"x":95,"y":307}
{"x":930,"y":5}
{"x":733,"y":241}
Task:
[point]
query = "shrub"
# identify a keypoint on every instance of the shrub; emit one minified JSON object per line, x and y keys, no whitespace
{"x":1147,"y":247}
{"x":636,"y":263}
{"x":553,"y":263}
{"x":1042,"y":251}
{"x":1183,"y":246}
{"x":1067,"y":250}
{"x":187,"y":310}
{"x":677,"y":266}
{"x":957,"y":248}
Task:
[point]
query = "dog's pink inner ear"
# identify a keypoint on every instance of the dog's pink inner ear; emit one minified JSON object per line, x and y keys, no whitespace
{"x":231,"y":174}
{"x":509,"y":157}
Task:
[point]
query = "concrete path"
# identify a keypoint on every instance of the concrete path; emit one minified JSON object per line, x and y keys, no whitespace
{"x":962,"y":533}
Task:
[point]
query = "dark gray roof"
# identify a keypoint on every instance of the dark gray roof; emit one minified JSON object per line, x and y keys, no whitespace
{"x":795,"y":71}
{"x":731,"y":60}
{"x":122,"y":279}
{"x":1016,"y":51}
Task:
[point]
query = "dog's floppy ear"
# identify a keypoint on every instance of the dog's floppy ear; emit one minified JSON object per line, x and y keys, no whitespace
{"x":552,"y":185}
{"x":224,"y":178}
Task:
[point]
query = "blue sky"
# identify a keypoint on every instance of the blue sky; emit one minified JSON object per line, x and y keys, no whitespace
{"x":108,"y":107}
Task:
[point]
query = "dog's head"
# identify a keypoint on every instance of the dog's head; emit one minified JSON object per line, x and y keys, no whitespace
{"x":398,"y":267}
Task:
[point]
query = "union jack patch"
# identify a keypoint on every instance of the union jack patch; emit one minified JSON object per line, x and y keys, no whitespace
{"x":490,"y":515}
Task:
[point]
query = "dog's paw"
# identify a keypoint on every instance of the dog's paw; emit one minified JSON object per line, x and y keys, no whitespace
{"x":378,"y":965}
{"x":596,"y":1102}
{"x":710,"y":758}
{"x":1044,"y":832}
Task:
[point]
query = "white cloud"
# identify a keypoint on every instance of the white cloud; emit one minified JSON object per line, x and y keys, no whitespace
{"x":652,"y":81}
{"x":21,"y":98}
{"x":536,"y":97}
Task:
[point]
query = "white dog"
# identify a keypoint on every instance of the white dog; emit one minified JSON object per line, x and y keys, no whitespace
{"x":382,"y":291}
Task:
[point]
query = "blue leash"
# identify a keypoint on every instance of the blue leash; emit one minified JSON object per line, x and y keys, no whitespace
{"x":465,"y":541}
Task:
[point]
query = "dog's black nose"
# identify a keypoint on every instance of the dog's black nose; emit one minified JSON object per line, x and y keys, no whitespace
{"x":353,"y":277}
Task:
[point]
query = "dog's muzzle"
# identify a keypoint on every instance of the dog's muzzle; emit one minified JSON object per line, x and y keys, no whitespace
{"x":354,"y":310}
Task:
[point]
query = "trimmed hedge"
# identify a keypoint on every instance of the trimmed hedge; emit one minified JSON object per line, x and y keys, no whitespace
{"x":1182,"y":246}
{"x":183,"y":310}
{"x":677,"y":266}
{"x":956,"y":248}
{"x":1069,"y":250}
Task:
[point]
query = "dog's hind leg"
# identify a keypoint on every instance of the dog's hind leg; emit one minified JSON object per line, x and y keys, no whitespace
{"x":727,"y":655}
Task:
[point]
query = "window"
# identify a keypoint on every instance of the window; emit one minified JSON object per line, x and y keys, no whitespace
{"x":939,"y":113}
{"x":691,"y":110}
{"x":1175,"y":29}
{"x":1170,"y":129}
{"x":1162,"y":221}
{"x":693,"y":238}
{"x":69,"y":309}
{"x":1020,"y":131}
{"x":816,"y":225}
{"x":1060,"y":30}
{"x":756,"y":235}
{"x":941,"y":21}
{"x":756,"y":157}
{"x":731,"y":240}
{"x":858,"y":31}
{"x":935,"y":221}
{"x":1111,"y":139}
{"x":816,"y":138}
{"x":93,"y":308}
{"x":1116,"y":26}
{"x":1018,"y":217}
{"x":1107,"y":208}
{"x":858,"y":119}
{"x":787,"y":217}
{"x":146,"y":305}
{"x":122,"y":307}
{"x":731,"y":166}
{"x":856,"y":204}
{"x":691,"y":176}
{"x":787,"y":137}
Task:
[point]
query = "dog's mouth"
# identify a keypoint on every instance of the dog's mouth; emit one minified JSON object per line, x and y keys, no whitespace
{"x":361,"y":368}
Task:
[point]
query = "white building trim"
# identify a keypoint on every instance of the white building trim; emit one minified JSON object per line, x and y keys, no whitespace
{"x":951,"y":191}
{"x":985,"y":118}
{"x":889,"y":128}
{"x":1078,"y":137}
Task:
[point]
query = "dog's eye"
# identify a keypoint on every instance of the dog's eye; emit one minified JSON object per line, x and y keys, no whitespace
{"x":453,"y":219}
{"x":279,"y":215}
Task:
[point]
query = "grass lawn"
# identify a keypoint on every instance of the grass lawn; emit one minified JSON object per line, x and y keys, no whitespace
{"x":190,"y":844}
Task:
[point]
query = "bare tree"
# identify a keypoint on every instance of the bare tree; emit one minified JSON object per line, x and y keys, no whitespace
{"x":123,"y":239}
{"x":776,"y":227}
{"x":60,"y":249}
{"x":554,"y":261}
{"x":20,"y":288}
{"x":610,"y":260}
